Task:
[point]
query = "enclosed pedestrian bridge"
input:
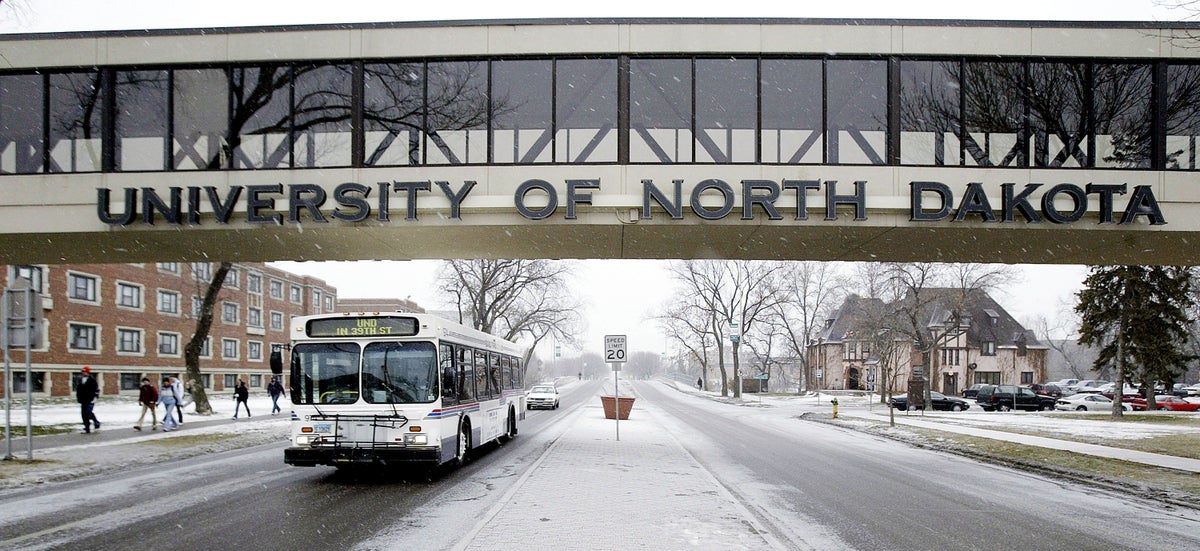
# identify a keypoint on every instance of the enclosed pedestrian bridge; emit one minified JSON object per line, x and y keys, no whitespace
{"x":772,"y":139}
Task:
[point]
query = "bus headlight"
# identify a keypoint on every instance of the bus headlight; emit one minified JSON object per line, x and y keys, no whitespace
{"x":416,"y":440}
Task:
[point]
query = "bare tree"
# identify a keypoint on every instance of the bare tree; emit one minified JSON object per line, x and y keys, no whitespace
{"x":191,"y":352}
{"x":809,"y":290}
{"x":687,"y":325}
{"x":738,"y":292}
{"x":526,"y":300}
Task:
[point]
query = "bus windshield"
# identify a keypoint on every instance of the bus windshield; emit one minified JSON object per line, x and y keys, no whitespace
{"x":325,"y":373}
{"x":399,"y":373}
{"x":392,"y":373}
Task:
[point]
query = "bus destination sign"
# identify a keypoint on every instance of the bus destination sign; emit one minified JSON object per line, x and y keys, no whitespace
{"x":362,"y":326}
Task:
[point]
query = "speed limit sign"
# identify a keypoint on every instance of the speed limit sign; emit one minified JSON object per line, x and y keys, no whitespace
{"x":614,"y":348}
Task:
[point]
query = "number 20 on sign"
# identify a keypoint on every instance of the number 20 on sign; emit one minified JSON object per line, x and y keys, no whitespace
{"x":614,"y":348}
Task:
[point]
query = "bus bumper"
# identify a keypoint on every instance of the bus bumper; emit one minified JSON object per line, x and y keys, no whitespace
{"x":310,"y":457}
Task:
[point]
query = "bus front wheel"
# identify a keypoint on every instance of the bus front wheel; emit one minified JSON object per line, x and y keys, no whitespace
{"x":464,"y":442}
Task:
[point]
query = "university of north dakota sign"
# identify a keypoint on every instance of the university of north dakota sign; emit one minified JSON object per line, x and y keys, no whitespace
{"x":709,"y":199}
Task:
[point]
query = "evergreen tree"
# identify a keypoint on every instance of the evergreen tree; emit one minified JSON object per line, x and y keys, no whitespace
{"x":1137,"y":316}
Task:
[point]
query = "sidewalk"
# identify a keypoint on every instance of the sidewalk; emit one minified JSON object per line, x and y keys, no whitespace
{"x":1155,"y":459}
{"x":591,"y":491}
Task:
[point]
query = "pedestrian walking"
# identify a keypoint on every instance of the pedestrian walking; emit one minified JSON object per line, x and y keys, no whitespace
{"x":167,"y":398}
{"x":700,"y":383}
{"x":275,"y":389}
{"x":148,"y":398}
{"x":86,"y":393}
{"x":240,"y":396}
{"x":177,"y":393}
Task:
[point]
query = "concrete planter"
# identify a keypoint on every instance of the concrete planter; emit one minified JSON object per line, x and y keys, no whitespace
{"x":614,"y":405}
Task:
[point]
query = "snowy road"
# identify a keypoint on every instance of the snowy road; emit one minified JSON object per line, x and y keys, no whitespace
{"x":754,"y":477}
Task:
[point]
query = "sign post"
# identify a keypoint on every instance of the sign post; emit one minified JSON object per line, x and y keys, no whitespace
{"x":614,"y":354}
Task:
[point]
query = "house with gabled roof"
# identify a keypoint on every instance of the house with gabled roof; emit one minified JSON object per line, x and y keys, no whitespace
{"x":950,"y":337}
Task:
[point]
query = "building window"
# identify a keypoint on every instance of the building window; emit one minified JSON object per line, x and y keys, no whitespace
{"x":197,"y":304}
{"x":83,"y":337}
{"x":988,"y":348}
{"x":206,"y":348}
{"x":202,"y":271}
{"x":81,"y":288}
{"x":316,"y":300}
{"x":229,"y":312}
{"x":277,"y":321}
{"x":254,"y":283}
{"x":32,"y":275}
{"x":129,"y":295}
{"x":233,"y":279}
{"x":131,"y":381}
{"x":229,"y":349}
{"x":295,"y":296}
{"x":1026,"y":377}
{"x":328,"y":303}
{"x":254,"y":351}
{"x":168,"y":302}
{"x":168,"y":267}
{"x":39,"y":381}
{"x":255,"y":381}
{"x":951,"y":356}
{"x":168,"y":344}
{"x":987,"y":377}
{"x":230,"y":381}
{"x":254,"y":317}
{"x":129,"y":341}
{"x":276,"y":289}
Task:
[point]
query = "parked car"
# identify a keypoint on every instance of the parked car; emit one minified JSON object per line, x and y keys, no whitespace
{"x":1088,"y":385}
{"x":1136,"y":403}
{"x":542,"y":397}
{"x":1175,"y":403}
{"x":1048,"y":389}
{"x":1065,"y":383}
{"x":940,"y":402}
{"x":1089,"y":401}
{"x":1183,"y":391}
{"x":1130,"y":393}
{"x":1007,"y":397}
{"x":972,"y":390}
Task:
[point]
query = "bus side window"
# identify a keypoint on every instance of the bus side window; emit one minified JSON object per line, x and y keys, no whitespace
{"x":449,"y":385}
{"x":482,"y":390}
{"x":506,"y":373}
{"x":466,"y":375}
{"x":494,"y":376}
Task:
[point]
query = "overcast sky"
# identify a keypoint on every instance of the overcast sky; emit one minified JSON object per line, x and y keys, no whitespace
{"x":620,"y":294}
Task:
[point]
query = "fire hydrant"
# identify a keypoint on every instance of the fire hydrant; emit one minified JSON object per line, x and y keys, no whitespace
{"x":834,"y":402}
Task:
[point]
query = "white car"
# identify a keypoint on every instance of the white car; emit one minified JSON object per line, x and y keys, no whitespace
{"x":1088,"y":401}
{"x":542,"y":397}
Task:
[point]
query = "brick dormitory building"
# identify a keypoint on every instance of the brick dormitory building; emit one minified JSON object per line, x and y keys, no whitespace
{"x":127,"y":321}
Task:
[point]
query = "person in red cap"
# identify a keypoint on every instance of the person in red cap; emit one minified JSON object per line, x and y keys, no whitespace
{"x":86,"y":391}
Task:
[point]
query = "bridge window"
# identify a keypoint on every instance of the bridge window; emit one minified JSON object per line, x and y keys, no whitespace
{"x":259,"y":132}
{"x":321,"y":122}
{"x":994,"y":112}
{"x":1123,"y":112}
{"x":1182,"y":116}
{"x":856,"y":111}
{"x":1057,"y":103}
{"x":929,"y":113}
{"x":140,"y":118}
{"x":76,"y":106}
{"x":21,"y":148}
{"x":522,"y":110}
{"x":200,"y":139}
{"x":393,"y":111}
{"x":792,"y":128}
{"x":726,"y":110}
{"x":585,"y":112}
{"x":660,"y":111}
{"x":456,"y":113}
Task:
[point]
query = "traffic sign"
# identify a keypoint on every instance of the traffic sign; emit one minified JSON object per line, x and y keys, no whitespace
{"x":614,"y":348}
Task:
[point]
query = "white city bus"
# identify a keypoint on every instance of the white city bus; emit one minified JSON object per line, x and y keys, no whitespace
{"x":392,"y":388}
